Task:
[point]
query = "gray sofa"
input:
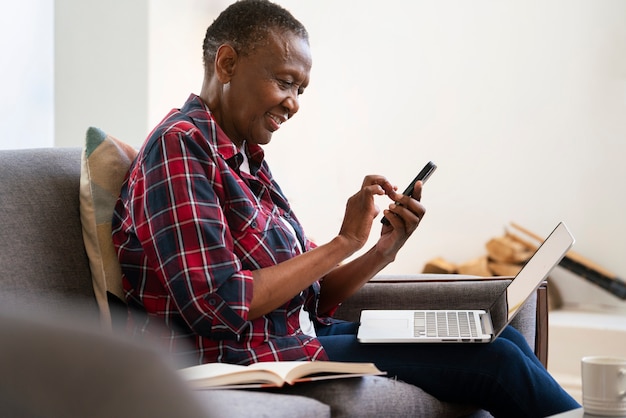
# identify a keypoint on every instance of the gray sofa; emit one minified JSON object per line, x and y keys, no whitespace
{"x":57,"y":360}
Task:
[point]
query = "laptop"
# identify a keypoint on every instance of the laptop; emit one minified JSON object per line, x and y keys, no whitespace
{"x":465,"y":326}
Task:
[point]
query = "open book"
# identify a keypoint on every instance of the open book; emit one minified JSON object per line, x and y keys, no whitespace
{"x":271,"y":374}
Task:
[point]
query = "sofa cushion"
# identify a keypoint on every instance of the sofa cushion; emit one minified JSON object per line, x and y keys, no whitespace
{"x":247,"y":403}
{"x":42,"y":256}
{"x":104,"y":165}
{"x":376,"y":396}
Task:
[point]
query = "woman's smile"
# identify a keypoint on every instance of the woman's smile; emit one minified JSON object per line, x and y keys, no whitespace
{"x":275,"y":121}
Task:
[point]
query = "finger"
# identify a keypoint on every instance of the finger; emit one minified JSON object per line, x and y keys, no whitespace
{"x":381,"y":181}
{"x":401,"y":219}
{"x":407,"y":215}
{"x":417,"y":191}
{"x":374,"y":189}
{"x":393,"y":219}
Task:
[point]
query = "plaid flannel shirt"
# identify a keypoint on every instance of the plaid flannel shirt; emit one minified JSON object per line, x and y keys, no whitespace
{"x":189,"y":228}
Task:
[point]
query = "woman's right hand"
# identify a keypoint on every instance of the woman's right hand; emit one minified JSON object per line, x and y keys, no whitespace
{"x":361,"y":210}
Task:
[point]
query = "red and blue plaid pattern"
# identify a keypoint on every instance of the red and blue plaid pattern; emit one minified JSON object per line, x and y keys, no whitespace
{"x":190,"y":227}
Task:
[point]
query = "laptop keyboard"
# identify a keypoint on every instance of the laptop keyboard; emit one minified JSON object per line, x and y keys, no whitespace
{"x":444,"y":324}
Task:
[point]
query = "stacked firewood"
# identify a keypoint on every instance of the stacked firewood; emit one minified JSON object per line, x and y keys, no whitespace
{"x":507,"y":254}
{"x":505,"y":257}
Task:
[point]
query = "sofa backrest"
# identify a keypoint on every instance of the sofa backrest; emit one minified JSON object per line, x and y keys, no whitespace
{"x":42,"y":255}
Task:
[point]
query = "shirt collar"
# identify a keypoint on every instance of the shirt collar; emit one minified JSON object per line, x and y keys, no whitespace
{"x":204,"y":119}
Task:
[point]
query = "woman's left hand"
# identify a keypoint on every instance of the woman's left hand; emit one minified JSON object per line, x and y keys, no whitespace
{"x":404,"y":216}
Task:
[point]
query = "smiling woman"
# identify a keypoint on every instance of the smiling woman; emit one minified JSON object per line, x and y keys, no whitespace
{"x":210,"y":247}
{"x":252,"y":90}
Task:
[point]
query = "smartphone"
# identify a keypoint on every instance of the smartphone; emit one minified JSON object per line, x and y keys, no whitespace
{"x":423,"y":175}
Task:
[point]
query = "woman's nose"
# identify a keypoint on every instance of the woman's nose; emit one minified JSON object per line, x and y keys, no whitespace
{"x":292,"y":103}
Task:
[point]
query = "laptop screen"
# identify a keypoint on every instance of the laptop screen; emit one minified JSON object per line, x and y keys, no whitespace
{"x":533,"y":273}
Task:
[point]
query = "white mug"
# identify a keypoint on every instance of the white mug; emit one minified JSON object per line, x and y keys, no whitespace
{"x":604,"y":385}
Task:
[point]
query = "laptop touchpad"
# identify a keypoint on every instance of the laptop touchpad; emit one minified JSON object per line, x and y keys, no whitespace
{"x":388,"y":323}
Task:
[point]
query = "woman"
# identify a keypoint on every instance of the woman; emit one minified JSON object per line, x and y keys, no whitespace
{"x":210,"y":246}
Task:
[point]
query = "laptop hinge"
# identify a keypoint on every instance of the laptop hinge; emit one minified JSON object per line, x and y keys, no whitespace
{"x":485,"y":322}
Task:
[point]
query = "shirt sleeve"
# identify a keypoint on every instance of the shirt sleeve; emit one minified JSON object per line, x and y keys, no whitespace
{"x":181,"y":226}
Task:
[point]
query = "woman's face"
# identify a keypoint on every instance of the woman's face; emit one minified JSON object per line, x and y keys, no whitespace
{"x":264,"y":87}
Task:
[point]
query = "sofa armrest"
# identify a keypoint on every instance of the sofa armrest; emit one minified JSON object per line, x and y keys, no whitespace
{"x":448,"y":291}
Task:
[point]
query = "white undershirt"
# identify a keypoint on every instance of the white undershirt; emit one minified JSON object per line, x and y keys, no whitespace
{"x":306,"y":325}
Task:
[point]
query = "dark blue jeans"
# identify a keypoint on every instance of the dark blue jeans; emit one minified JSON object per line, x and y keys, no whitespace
{"x":504,"y":377}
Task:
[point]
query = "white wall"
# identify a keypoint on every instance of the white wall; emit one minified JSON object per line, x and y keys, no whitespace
{"x":521,"y":103}
{"x":26,"y":66}
{"x":176,"y":32}
{"x":101,"y":68}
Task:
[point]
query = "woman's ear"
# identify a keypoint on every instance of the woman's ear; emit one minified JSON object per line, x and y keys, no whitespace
{"x":225,"y":62}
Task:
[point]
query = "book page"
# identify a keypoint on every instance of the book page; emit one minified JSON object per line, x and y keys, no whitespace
{"x":265,"y":374}
{"x":222,"y":374}
{"x":293,"y":371}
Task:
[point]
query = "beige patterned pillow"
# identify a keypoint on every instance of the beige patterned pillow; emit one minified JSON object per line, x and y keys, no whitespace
{"x":104,"y":165}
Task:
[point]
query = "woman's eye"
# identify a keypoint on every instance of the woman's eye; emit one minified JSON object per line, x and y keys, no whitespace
{"x":287,"y":85}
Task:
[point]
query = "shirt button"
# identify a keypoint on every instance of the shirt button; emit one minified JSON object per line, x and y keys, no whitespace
{"x":212,"y":302}
{"x":254,"y":225}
